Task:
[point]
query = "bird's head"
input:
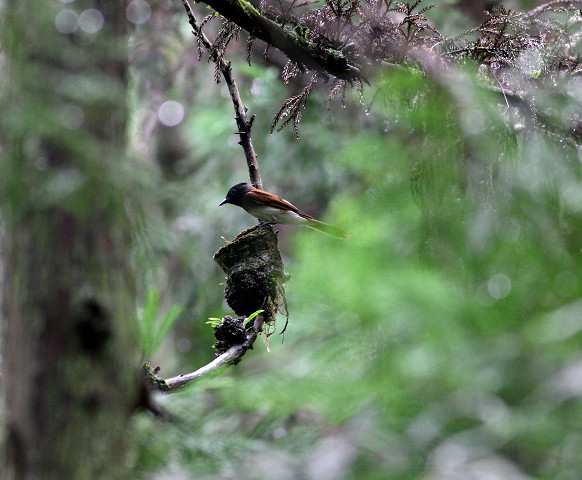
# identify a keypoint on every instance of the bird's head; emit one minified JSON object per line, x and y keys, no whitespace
{"x":235,"y":194}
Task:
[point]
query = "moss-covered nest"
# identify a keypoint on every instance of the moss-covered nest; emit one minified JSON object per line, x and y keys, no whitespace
{"x":254,"y":272}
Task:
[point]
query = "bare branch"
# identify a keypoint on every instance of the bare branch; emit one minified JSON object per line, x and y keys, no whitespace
{"x":243,"y":123}
{"x":231,"y":357}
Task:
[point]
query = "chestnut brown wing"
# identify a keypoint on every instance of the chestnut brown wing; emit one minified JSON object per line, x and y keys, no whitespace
{"x":268,"y":199}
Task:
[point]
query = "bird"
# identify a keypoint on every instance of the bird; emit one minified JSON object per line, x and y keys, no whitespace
{"x":271,"y":209}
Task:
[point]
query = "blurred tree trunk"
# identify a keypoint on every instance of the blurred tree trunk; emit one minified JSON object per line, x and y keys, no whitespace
{"x":68,"y":373}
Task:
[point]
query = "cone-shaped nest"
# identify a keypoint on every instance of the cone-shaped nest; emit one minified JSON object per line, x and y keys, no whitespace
{"x":254,"y":271}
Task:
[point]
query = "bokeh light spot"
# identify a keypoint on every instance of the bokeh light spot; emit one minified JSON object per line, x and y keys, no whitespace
{"x":171,"y":113}
{"x":138,"y":12}
{"x":67,"y":21}
{"x":91,"y":20}
{"x":72,"y":117}
{"x":499,"y":286}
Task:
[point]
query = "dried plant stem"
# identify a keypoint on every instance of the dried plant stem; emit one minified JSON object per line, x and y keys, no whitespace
{"x":243,"y":123}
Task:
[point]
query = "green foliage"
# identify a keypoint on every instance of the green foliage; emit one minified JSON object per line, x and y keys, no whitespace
{"x":213,"y":321}
{"x":252,"y":316}
{"x":151,"y":330}
{"x":442,"y":339}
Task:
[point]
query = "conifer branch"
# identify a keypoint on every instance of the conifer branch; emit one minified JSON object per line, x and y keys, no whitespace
{"x":289,"y":39}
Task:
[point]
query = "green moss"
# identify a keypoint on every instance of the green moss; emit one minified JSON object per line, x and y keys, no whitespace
{"x":248,"y":8}
{"x":152,"y":378}
{"x":301,"y":31}
{"x":254,"y":270}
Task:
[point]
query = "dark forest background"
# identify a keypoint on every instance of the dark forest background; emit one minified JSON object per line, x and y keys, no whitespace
{"x":441,"y":341}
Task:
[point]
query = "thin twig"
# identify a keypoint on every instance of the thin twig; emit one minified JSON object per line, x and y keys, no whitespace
{"x":227,"y":358}
{"x":502,"y":89}
{"x":243,"y":123}
{"x":542,"y":7}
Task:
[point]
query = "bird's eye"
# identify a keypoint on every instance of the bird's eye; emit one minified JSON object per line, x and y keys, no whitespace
{"x":232,"y":191}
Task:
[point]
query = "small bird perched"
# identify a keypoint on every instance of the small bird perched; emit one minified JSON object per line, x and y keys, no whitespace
{"x":271,"y":209}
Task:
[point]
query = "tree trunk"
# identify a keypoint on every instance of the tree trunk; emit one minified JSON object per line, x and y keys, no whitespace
{"x":68,"y":374}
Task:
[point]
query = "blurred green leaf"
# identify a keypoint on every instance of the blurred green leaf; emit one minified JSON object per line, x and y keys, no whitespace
{"x":252,"y":316}
{"x":151,"y":330}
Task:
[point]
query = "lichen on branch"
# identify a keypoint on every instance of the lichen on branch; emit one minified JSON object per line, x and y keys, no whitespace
{"x":292,"y":41}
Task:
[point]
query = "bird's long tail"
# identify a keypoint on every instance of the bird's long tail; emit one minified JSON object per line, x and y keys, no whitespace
{"x":325,"y":228}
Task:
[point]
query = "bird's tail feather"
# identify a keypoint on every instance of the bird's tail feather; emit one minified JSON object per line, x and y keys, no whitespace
{"x":325,"y":228}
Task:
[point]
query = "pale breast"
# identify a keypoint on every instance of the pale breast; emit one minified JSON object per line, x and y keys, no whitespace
{"x":275,"y":215}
